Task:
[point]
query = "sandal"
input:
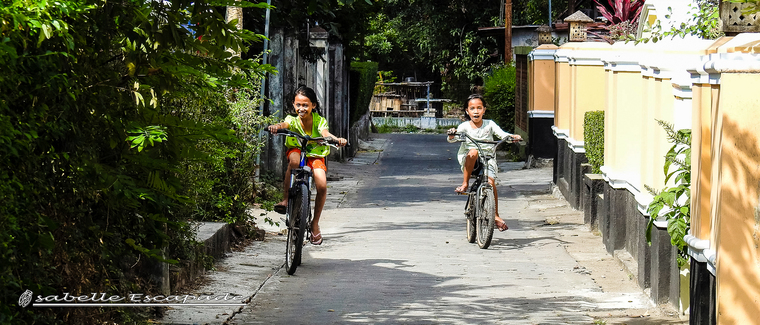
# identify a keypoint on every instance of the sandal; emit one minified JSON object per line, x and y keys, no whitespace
{"x":503,"y":226}
{"x":462,"y":189}
{"x":279,"y":208}
{"x":316,"y":239}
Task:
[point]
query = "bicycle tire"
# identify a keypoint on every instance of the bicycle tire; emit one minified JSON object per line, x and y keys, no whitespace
{"x":305,"y":223}
{"x":296,"y":229}
{"x":470,"y":219}
{"x":486,"y":217}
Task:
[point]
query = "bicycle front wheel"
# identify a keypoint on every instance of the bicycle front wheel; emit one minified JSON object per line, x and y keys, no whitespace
{"x":296,"y":227}
{"x":486,"y":217}
{"x":470,"y":218}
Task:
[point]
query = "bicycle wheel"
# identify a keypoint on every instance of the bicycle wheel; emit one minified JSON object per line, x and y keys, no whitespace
{"x":469,"y":213}
{"x":486,"y":217}
{"x":296,"y":228}
{"x":305,"y":221}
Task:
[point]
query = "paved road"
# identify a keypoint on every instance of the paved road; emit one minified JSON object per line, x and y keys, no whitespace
{"x":395,"y":252}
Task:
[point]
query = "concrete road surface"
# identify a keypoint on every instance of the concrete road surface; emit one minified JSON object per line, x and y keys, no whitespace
{"x":395,"y":251}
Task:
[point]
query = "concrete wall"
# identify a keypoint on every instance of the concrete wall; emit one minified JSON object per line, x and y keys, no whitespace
{"x":708,"y":86}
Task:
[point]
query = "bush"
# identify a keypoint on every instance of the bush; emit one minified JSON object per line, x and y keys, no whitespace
{"x":593,"y":139}
{"x":106,"y":128}
{"x":364,"y":76}
{"x":499,"y":92}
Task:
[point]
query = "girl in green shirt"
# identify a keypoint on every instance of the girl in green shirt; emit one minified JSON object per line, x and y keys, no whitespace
{"x":307,"y":122}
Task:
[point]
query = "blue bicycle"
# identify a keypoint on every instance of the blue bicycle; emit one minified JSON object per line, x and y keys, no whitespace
{"x":298,"y":213}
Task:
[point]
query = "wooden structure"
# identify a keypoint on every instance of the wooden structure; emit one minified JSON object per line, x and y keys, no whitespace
{"x":578,"y":29}
{"x":404,"y":99}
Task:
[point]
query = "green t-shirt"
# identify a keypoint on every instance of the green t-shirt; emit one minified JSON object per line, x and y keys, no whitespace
{"x":319,"y":123}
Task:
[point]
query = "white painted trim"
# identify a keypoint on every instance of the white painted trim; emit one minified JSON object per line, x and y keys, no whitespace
{"x":682,"y":88}
{"x":700,"y":250}
{"x":560,"y":133}
{"x":622,"y":66}
{"x":542,"y":54}
{"x":562,"y":55}
{"x":540,"y":114}
{"x":586,"y":58}
{"x":575,"y":145}
{"x":733,"y":62}
{"x":622,"y":60}
{"x":618,"y":180}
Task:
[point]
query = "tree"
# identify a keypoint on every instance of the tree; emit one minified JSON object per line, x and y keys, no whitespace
{"x":102,"y":106}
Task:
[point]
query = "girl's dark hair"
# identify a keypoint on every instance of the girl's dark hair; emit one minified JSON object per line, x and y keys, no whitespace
{"x":473,"y":96}
{"x":308,"y":93}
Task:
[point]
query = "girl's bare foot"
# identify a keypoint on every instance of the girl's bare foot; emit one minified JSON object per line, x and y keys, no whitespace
{"x":501,"y":224}
{"x":316,"y":234}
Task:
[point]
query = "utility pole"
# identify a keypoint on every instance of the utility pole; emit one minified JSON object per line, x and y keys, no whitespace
{"x":507,"y":31}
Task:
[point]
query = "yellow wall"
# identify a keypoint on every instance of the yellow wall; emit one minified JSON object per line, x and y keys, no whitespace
{"x":542,"y":85}
{"x":700,"y":160}
{"x":724,"y":108}
{"x":562,"y":94}
{"x":738,"y":238}
{"x":587,"y":95}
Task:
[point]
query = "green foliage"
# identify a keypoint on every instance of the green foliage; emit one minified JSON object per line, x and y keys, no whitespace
{"x":365,"y":74}
{"x":103,"y":116}
{"x":437,"y":40}
{"x":593,"y":139}
{"x":383,"y":76}
{"x":499,"y":92}
{"x":704,"y":23}
{"x":620,"y":11}
{"x":344,"y":20}
{"x":673,"y":203}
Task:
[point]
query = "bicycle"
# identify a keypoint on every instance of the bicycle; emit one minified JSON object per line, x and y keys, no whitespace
{"x":298,"y":213}
{"x":480,"y":209}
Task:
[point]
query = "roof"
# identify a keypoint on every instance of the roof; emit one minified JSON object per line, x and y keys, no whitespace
{"x":579,"y":16}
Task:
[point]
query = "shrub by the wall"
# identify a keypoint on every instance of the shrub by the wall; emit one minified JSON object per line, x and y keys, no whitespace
{"x":363,"y":78}
{"x":499,"y":92}
{"x":593,"y":139}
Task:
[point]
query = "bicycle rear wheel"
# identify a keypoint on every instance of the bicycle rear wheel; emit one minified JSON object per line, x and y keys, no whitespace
{"x":296,"y":227}
{"x":469,"y":213}
{"x":486,"y":217}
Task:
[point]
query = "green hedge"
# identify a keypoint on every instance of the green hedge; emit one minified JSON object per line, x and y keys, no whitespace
{"x":499,"y":92}
{"x":593,"y":139}
{"x":363,"y":76}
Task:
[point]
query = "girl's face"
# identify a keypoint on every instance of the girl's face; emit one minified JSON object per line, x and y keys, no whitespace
{"x":303,"y":105}
{"x":475,"y":110}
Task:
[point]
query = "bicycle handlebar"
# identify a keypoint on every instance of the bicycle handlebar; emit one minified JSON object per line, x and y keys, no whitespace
{"x":329,"y":140}
{"x":497,"y":143}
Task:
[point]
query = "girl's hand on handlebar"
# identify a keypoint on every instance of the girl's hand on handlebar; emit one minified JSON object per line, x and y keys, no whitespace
{"x":451,"y":131}
{"x":341,"y":142}
{"x":273,"y":128}
{"x":515,"y":138}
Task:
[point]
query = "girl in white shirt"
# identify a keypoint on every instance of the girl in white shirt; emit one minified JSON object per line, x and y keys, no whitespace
{"x":483,"y":130}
